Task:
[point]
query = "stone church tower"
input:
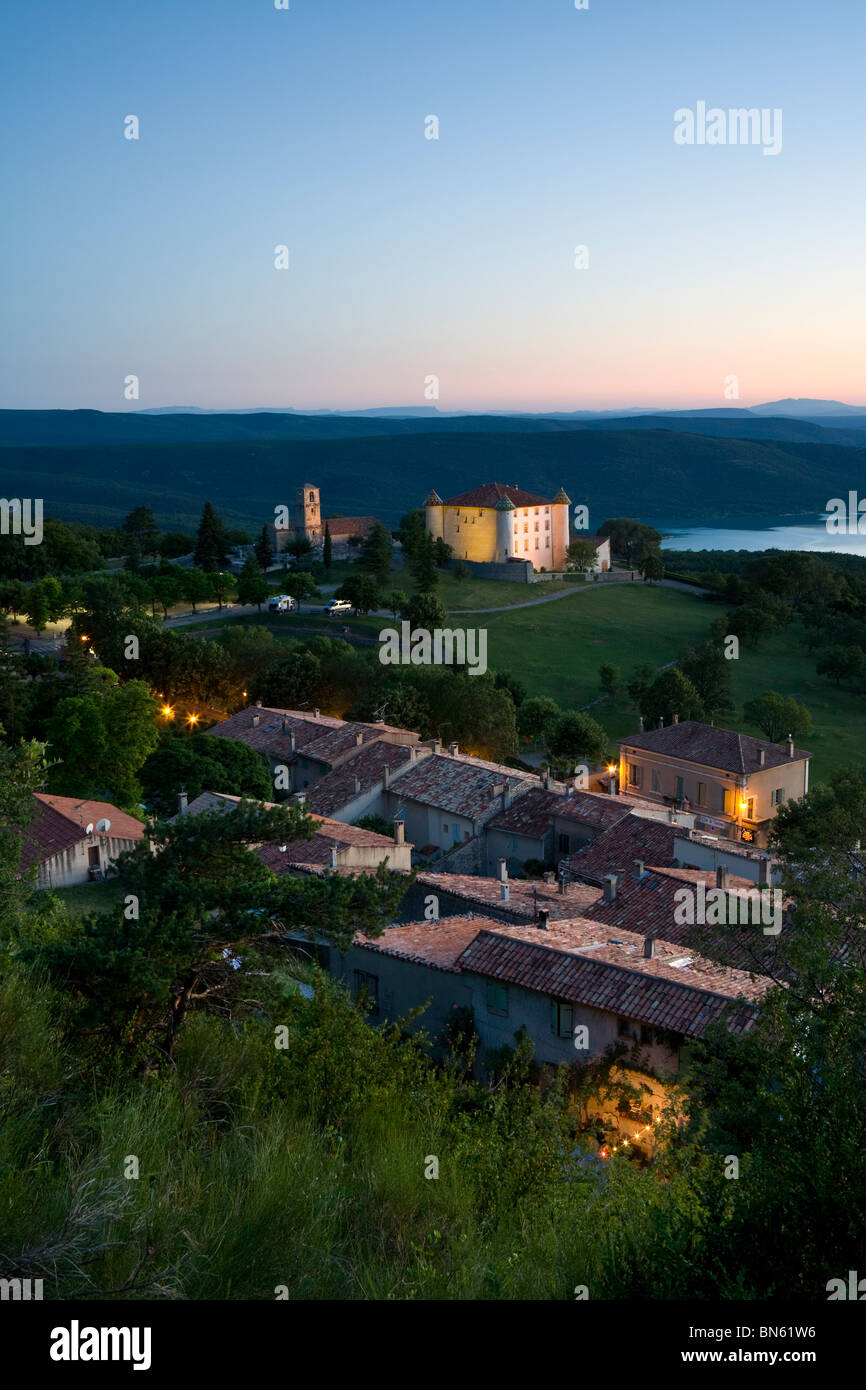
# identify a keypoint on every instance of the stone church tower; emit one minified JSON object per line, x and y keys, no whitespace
{"x":308,"y":513}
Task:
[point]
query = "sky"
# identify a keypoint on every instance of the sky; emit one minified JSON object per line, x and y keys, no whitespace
{"x":716,"y":274}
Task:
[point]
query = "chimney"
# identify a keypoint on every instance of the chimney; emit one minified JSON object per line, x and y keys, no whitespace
{"x":258,"y":704}
{"x":333,"y":857}
{"x":504,"y":891}
{"x":676,"y":719}
{"x":561,"y":884}
{"x":413,"y":753}
{"x":453,"y":749}
{"x":356,"y":785}
{"x":256,"y":718}
{"x":506,"y":795}
{"x":722,"y":876}
{"x":399,"y":831}
{"x":359,"y":738}
{"x":315,"y":714}
{"x":437,"y":748}
{"x":609,"y":887}
{"x":182,"y":803}
{"x":762,"y":757}
{"x":543,"y":918}
{"x":386,"y":777}
{"x":302,"y":799}
{"x":639,"y":869}
{"x":649,"y":947}
{"x":503,"y":871}
{"x":661,"y":721}
{"x":640,"y":723}
{"x":292,"y":739}
{"x":790,"y":745}
{"x":285,"y":725}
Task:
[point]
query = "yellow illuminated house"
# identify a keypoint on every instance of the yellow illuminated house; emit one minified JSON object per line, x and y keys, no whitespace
{"x":499,"y":521}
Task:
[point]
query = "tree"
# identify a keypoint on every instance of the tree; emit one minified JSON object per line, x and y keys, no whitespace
{"x":221,"y":585}
{"x":22,"y":772}
{"x":709,"y":671}
{"x":442,"y":550}
{"x":100,"y":741}
{"x":211,"y":547}
{"x":581,"y":555}
{"x":640,"y":683}
{"x":167,"y":589}
{"x":252,"y":585}
{"x":202,"y":763}
{"x":610,"y":678}
{"x":299,"y":548}
{"x":290,"y":682}
{"x":777,"y":715}
{"x":397,"y":601}
{"x":536,"y":717}
{"x":630,"y":539}
{"x":195,"y":586}
{"x":572,"y":738}
{"x":750,"y":623}
{"x":671,"y":693}
{"x":265,"y":549}
{"x":249,"y":650}
{"x":327,"y":547}
{"x":829,"y":819}
{"x":652,"y":567}
{"x":425,"y":611}
{"x":207,"y":904}
{"x":413,"y":529}
{"x":140,"y":531}
{"x":176,"y":543}
{"x":362,"y":591}
{"x":841,"y":663}
{"x":424,"y":566}
{"x":375,"y":556}
{"x":299,"y":584}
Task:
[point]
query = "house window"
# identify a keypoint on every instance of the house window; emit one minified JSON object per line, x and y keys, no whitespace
{"x":646,"y":1033}
{"x":564,"y":844}
{"x":626,"y":1028}
{"x":778,"y":797}
{"x":656,"y":781}
{"x":536,"y":542}
{"x":679,"y":789}
{"x":367,"y":987}
{"x":445,"y":827}
{"x":497,"y":999}
{"x":547,"y":525}
{"x":536,"y":525}
{"x":750,"y":808}
{"x":564,"y":1020}
{"x":702,"y":793}
{"x":635,"y":775}
{"x":728,"y":801}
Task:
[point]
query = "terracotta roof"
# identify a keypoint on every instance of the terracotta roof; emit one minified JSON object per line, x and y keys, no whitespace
{"x":320,"y":736}
{"x":349,"y":525}
{"x":337,"y":788}
{"x":465,"y":786}
{"x":438,"y":944}
{"x":489,"y":494}
{"x":633,"y":837}
{"x":592,"y":808}
{"x":525,"y":896}
{"x":710,"y":746}
{"x":603,"y":974}
{"x":60,"y":822}
{"x":532,"y":813}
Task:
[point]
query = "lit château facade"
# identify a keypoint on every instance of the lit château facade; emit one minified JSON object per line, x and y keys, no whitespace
{"x":500,"y":521}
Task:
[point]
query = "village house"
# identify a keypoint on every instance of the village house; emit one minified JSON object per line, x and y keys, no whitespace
{"x":500,"y":522}
{"x":553,"y":979}
{"x":513,"y":900}
{"x":335,"y":846}
{"x":734,"y":784}
{"x":307,"y":744}
{"x":546,"y":823}
{"x":75,"y":841}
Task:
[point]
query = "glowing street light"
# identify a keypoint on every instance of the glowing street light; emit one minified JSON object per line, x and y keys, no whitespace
{"x":192,"y":719}
{"x":168,"y":711}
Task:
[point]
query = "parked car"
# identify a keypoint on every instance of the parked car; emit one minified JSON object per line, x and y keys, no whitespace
{"x":337,"y":606}
{"x":282,"y":603}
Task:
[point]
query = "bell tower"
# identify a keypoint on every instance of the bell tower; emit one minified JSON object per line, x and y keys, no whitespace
{"x":308,"y":514}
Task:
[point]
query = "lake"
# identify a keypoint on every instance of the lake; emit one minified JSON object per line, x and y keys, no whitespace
{"x":758,"y":533}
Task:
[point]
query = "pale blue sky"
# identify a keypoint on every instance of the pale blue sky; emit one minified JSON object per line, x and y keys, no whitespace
{"x":412,"y":257}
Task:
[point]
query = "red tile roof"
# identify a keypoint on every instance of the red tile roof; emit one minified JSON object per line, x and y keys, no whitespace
{"x":709,"y":746}
{"x":349,"y":525}
{"x":633,"y":837}
{"x":490,"y":493}
{"x":525,"y":896}
{"x":532,"y":814}
{"x":464,"y":786}
{"x":438,"y":944}
{"x":60,"y":822}
{"x":337,"y":788}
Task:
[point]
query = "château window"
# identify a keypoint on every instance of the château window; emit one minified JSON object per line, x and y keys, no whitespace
{"x":536,"y":542}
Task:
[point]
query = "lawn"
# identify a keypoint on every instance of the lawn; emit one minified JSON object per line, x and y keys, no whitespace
{"x":89,"y":897}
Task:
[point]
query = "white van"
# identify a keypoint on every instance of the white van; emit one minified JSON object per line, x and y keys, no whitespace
{"x":337,"y":606}
{"x":282,"y":603}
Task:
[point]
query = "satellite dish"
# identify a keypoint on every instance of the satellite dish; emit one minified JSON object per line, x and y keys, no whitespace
{"x":89,"y":829}
{"x":103,"y":825}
